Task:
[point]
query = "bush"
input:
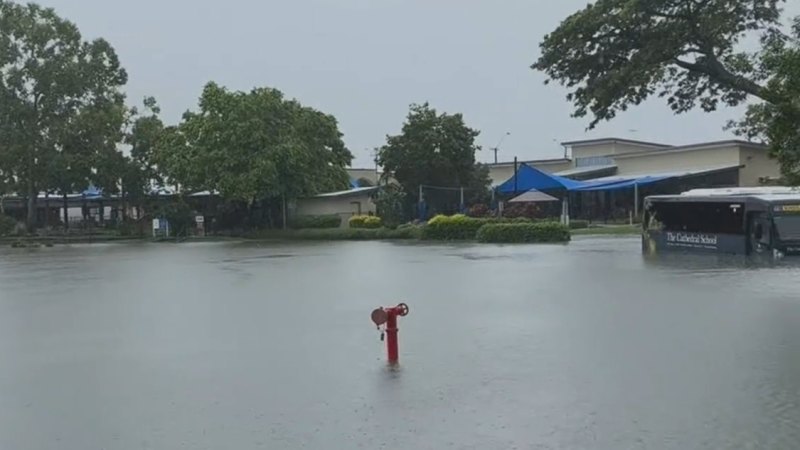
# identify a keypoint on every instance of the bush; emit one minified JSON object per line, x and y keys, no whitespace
{"x":452,"y":228}
{"x":479,"y":210}
{"x":521,"y":210}
{"x":324,"y":221}
{"x":523,"y":232}
{"x":578,"y":224}
{"x":7,"y":225}
{"x":369,"y":222}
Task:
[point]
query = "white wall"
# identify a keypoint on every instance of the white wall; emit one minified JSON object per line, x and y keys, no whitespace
{"x":343,"y":206}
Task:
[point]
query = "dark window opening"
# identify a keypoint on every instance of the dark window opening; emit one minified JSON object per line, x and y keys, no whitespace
{"x":699,"y":217}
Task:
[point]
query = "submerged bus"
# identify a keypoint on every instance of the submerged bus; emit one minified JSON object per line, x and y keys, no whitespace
{"x":741,"y":221}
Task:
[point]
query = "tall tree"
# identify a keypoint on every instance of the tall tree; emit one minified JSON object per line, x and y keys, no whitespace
{"x":434,"y":149}
{"x":61,"y":107}
{"x":615,"y":54}
{"x":255,"y":145}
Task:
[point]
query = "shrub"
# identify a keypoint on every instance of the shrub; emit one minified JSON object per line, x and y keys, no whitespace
{"x":7,"y":225}
{"x":450,"y":228}
{"x":521,"y":210}
{"x":324,"y":221}
{"x":370,"y":222}
{"x":523,"y":232}
{"x":578,"y":224}
{"x":479,"y":210}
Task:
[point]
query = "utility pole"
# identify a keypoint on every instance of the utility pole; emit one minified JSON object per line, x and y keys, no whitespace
{"x":496,"y":148}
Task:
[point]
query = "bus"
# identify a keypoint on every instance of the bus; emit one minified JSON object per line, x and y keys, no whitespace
{"x":738,"y":221}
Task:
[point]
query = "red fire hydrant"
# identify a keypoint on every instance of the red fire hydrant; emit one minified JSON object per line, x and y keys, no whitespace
{"x":388,"y":316}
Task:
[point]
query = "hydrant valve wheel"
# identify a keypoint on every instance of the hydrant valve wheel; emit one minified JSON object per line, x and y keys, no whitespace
{"x":403,"y":309}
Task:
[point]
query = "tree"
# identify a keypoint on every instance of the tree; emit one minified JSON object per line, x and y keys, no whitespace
{"x":138,"y":171}
{"x":435,"y":150}
{"x":61,"y":109}
{"x":251,"y":146}
{"x":617,"y":53}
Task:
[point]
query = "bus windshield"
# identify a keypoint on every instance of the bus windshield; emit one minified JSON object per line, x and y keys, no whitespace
{"x":788,"y":227}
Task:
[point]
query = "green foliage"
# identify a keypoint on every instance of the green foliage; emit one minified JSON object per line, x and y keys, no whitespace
{"x":254,"y":145}
{"x":61,"y":105}
{"x":450,"y":228}
{"x":390,"y":204}
{"x":365,"y":222}
{"x":776,"y":121}
{"x":7,"y":225}
{"x":616,"y":53}
{"x":578,"y":224}
{"x":436,"y":150}
{"x":523,"y":233}
{"x":322,"y":221}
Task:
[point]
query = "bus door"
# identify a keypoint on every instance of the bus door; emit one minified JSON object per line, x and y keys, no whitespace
{"x":760,"y":232}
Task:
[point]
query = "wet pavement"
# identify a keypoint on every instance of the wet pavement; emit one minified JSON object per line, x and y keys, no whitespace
{"x":249,"y":346}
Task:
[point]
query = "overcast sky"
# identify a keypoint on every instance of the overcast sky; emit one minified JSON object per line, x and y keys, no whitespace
{"x":365,"y":61}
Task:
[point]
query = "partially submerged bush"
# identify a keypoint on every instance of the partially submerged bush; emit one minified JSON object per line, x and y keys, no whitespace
{"x":322,"y":221}
{"x":523,"y":232}
{"x":368,"y":222}
{"x":452,"y":228}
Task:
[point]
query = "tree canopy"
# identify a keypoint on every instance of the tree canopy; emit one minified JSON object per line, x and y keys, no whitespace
{"x":617,"y":53}
{"x":434,"y":149}
{"x":61,"y":108}
{"x":253,"y":145}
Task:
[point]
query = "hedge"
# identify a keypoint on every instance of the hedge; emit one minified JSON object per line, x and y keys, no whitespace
{"x":452,"y":228}
{"x":578,"y":224}
{"x":7,"y":225}
{"x":369,"y":222}
{"x":523,"y":232}
{"x":324,"y":221}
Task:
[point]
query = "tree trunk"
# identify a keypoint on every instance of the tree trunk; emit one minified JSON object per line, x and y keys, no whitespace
{"x":284,"y":212}
{"x":46,"y":209}
{"x":66,"y":210}
{"x":30,"y":220}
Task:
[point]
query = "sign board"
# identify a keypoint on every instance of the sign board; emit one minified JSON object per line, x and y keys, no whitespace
{"x":156,"y":224}
{"x":788,"y":208}
{"x":199,"y":219}
{"x":709,"y":242}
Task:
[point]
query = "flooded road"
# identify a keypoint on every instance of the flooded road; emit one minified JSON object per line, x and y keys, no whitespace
{"x":249,"y":346}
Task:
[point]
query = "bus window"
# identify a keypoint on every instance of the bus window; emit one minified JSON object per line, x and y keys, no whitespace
{"x":788,"y":227}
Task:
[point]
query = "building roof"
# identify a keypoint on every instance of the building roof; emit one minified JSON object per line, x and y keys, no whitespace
{"x":588,"y":170}
{"x":678,"y":173}
{"x":533,"y":196}
{"x":612,"y":140}
{"x":534,"y":162}
{"x":696,"y":147}
{"x":349,"y":192}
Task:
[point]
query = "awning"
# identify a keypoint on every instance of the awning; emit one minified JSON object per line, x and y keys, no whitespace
{"x":629,"y":181}
{"x":533,"y":196}
{"x":530,"y":178}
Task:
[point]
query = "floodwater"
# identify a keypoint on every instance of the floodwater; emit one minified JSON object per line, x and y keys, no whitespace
{"x":250,"y":346}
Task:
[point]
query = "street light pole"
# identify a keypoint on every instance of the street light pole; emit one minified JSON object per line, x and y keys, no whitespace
{"x":496,"y":148}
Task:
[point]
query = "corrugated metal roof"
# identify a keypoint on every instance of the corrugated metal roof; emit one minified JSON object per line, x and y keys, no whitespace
{"x":670,"y":174}
{"x":349,"y":192}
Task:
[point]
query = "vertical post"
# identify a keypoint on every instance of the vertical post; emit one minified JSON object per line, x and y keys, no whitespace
{"x":515,"y":175}
{"x":419,"y":204}
{"x":635,"y":199}
{"x":391,"y":336}
{"x":461,"y":205}
{"x":283,"y":197}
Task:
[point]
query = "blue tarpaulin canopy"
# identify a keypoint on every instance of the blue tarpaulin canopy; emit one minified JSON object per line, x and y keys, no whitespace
{"x":528,"y":178}
{"x":621,"y":184}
